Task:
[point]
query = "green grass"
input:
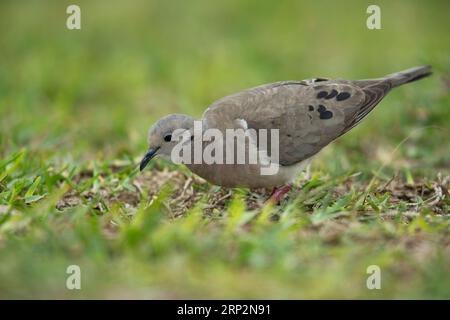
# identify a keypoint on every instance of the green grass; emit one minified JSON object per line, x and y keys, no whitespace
{"x":75,"y":107}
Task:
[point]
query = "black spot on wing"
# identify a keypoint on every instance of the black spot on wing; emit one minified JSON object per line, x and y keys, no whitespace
{"x":343,"y":96}
{"x":311,"y":108}
{"x":322,"y":94}
{"x":326,"y":115}
{"x":332,"y":94}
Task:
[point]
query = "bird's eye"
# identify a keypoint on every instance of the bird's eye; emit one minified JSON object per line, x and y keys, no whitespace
{"x":167,"y":137}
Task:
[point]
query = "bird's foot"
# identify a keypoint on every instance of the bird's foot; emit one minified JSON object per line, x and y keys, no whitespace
{"x":278,"y":193}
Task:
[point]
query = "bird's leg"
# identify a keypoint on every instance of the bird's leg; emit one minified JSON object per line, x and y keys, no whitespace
{"x":273,"y":191}
{"x":278,"y":193}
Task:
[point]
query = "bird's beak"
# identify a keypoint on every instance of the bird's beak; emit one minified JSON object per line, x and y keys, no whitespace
{"x":148,"y":156}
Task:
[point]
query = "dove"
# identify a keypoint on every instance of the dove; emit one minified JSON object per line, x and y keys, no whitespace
{"x":307,"y":115}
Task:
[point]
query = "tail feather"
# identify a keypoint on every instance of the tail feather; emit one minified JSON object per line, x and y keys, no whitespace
{"x":408,"y":75}
{"x":377,"y":89}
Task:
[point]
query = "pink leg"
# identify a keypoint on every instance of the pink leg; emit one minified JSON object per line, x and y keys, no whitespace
{"x":273,"y":191}
{"x":278,"y":193}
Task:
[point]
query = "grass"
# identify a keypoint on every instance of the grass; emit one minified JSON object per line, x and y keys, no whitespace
{"x":75,"y":107}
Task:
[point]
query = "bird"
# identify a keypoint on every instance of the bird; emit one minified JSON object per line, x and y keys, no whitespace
{"x":308,"y":114}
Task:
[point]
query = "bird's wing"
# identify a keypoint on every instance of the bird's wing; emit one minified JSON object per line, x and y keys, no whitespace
{"x":309,"y":114}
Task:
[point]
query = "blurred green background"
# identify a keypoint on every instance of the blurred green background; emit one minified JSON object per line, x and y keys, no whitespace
{"x":86,"y":97}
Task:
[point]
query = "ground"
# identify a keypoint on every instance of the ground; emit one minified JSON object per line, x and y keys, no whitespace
{"x":75,"y":107}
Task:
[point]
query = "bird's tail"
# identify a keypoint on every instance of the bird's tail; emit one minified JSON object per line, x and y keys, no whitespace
{"x":408,"y":75}
{"x":377,"y":89}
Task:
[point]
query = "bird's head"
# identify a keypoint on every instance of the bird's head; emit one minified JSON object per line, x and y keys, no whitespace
{"x":160,"y":140}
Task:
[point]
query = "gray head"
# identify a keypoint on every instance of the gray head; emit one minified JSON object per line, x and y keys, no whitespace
{"x":160,"y":136}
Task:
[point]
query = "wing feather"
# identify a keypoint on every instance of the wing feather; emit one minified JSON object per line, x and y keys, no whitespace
{"x":309,"y":114}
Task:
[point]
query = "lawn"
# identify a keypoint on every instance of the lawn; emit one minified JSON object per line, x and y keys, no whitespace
{"x":75,"y":107}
